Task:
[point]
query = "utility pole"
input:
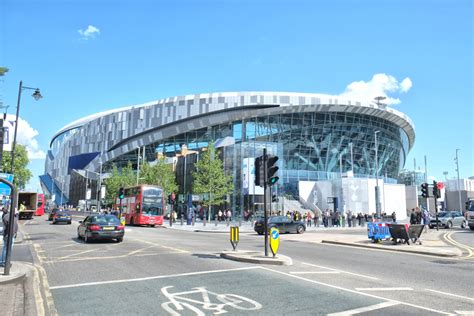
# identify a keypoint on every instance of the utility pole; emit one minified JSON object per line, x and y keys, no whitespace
{"x":459,"y":184}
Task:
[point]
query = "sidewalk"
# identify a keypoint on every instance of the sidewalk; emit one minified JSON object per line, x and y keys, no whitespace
{"x":431,"y":241}
{"x":17,"y":293}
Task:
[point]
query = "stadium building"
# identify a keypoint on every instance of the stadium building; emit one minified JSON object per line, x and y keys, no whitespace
{"x":327,"y":145}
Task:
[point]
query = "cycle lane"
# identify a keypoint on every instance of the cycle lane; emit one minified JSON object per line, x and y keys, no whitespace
{"x":243,"y":291}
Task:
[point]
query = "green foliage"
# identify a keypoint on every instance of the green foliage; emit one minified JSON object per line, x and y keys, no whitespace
{"x":118,"y":178}
{"x":209,"y":178}
{"x":160,"y":174}
{"x":21,"y":174}
{"x":3,"y":70}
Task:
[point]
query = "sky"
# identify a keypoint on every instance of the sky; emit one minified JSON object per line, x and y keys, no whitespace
{"x":90,"y":56}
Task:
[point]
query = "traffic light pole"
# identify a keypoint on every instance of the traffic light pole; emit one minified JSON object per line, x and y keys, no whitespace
{"x":265,"y":216}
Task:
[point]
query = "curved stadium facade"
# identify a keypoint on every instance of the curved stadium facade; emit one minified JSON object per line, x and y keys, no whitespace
{"x":317,"y":137}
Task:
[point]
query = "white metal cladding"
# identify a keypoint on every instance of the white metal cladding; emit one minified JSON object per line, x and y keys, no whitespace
{"x":171,"y":116}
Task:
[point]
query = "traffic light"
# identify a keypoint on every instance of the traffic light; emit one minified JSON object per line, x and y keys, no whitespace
{"x":259,"y":171}
{"x":436,"y":190}
{"x":272,"y":170}
{"x":424,"y":190}
{"x":274,"y":198}
{"x":121,"y":193}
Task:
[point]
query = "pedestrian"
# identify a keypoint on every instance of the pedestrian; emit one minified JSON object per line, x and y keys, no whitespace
{"x":308,"y":219}
{"x":349,"y":218}
{"x":412,"y":217}
{"x":317,"y":214}
{"x":394,"y":217}
{"x":6,"y":234}
{"x":426,"y":219}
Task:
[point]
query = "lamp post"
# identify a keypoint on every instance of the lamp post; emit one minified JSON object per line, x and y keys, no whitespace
{"x":377,"y":190}
{"x":37,"y":95}
{"x":458,"y":185}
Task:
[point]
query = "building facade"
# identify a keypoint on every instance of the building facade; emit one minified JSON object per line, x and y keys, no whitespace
{"x":317,"y":137}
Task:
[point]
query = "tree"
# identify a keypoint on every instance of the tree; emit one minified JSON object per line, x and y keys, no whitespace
{"x":21,"y":174}
{"x":3,"y":70}
{"x":209,"y":178}
{"x":160,"y":174}
{"x":118,"y":178}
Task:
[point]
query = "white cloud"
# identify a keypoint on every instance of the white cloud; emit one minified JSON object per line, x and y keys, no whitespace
{"x":25,"y":136}
{"x":90,"y":32}
{"x":380,"y":85}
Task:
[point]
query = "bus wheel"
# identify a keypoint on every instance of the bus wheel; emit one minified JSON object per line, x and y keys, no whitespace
{"x":152,"y":225}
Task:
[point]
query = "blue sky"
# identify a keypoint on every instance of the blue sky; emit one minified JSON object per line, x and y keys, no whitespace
{"x":139,"y":51}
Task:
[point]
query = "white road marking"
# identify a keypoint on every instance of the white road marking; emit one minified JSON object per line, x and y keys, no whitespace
{"x":314,"y":272}
{"x":365,"y":309}
{"x":381,"y":289}
{"x":341,"y":271}
{"x":464,"y":312}
{"x":355,"y":292}
{"x":148,"y":278}
{"x":449,"y":294}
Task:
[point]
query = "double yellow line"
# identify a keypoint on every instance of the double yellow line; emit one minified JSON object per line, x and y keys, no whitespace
{"x":470,"y":250}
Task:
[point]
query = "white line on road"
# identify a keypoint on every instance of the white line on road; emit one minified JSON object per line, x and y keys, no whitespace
{"x":380,"y":289}
{"x":356,"y":292}
{"x":314,"y":272}
{"x":365,"y":309}
{"x":464,"y":312}
{"x":449,"y":294}
{"x":341,"y":271}
{"x":148,"y":278}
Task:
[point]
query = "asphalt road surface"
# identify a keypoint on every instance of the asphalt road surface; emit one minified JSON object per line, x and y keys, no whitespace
{"x":163,"y":271}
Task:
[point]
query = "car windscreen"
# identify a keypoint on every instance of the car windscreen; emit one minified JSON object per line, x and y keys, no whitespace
{"x":63,"y":214}
{"x":444,"y":214}
{"x":105,"y":220}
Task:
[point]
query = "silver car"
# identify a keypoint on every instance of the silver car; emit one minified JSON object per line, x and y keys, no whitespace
{"x":449,"y":220}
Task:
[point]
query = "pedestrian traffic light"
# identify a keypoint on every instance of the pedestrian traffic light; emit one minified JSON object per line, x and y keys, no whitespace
{"x":272,"y":170}
{"x":436,"y":190}
{"x":259,"y":176}
{"x":121,"y":193}
{"x":424,"y":190}
{"x":274,"y":198}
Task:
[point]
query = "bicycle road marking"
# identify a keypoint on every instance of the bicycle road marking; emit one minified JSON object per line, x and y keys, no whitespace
{"x":340,"y":271}
{"x":356,"y":292}
{"x":150,"y":278}
{"x":365,"y":309}
{"x":179,"y":301}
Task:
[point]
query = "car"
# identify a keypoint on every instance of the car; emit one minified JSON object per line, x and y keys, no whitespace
{"x":283,"y":223}
{"x":449,"y":220}
{"x":62,"y":217}
{"x":52,"y":213}
{"x":100,"y":226}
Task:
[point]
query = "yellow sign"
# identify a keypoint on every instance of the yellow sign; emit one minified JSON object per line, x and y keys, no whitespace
{"x":234,"y":236}
{"x":274,"y":240}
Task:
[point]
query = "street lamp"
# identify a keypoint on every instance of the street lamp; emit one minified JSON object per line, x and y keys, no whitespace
{"x":36,"y":95}
{"x":377,"y":189}
{"x":459,"y":184}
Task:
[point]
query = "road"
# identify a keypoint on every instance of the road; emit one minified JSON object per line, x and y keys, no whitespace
{"x":146,"y":272}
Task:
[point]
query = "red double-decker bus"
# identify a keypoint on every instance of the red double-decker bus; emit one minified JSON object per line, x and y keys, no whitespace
{"x":143,"y":205}
{"x":40,"y":205}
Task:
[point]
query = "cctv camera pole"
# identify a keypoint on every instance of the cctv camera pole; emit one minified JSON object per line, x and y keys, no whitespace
{"x":265,"y":216}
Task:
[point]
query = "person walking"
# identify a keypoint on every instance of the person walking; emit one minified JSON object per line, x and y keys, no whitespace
{"x":308,"y":219}
{"x":6,"y":234}
{"x":317,"y":214}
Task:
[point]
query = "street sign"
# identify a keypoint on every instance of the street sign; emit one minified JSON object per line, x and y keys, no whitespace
{"x":274,"y":240}
{"x":234,"y":236}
